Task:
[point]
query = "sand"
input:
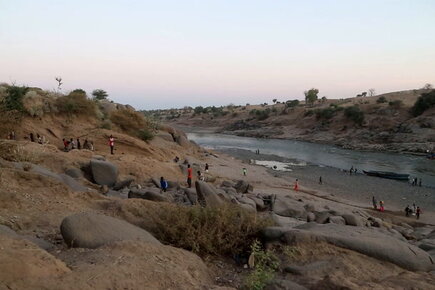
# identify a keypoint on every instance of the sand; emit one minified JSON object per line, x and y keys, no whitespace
{"x":356,"y":190}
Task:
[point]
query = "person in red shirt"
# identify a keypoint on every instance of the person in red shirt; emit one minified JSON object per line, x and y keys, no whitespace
{"x":189,"y":176}
{"x":111,"y":144}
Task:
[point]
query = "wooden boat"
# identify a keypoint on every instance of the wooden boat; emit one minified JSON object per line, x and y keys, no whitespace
{"x":386,"y":174}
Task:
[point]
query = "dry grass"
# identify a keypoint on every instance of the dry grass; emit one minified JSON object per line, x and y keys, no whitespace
{"x":217,"y":231}
{"x":13,"y":151}
{"x":132,"y":122}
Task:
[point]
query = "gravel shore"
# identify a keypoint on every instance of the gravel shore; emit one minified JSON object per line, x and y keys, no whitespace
{"x":357,"y":188}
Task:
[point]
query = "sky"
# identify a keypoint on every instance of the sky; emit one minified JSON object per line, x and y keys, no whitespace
{"x":175,"y":53}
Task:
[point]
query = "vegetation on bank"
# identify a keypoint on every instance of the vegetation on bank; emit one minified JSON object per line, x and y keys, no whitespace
{"x":424,"y":102}
{"x":17,"y":102}
{"x":226,"y":230}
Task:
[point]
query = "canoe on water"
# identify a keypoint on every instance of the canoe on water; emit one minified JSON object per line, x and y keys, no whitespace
{"x":386,"y":174}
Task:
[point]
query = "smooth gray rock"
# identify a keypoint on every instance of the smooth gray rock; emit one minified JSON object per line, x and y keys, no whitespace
{"x":368,"y":241}
{"x":287,"y":222}
{"x":271,"y":234}
{"x":337,"y":220}
{"x":311,"y":217}
{"x":352,"y":220}
{"x":148,"y":194}
{"x":207,"y":195}
{"x":243,"y":187}
{"x":173,"y":184}
{"x":322,"y":217}
{"x":243,"y":199}
{"x":90,"y":230}
{"x":103,"y":172}
{"x":258,"y":202}
{"x":422,"y":232}
{"x":286,"y":206}
{"x":118,"y":194}
{"x":191,"y":195}
{"x":227,"y":183}
{"x":74,"y":172}
{"x":123,"y":183}
{"x":281,"y":284}
{"x":99,"y":157}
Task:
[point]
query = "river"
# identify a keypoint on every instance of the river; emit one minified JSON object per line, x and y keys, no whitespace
{"x":324,"y":155}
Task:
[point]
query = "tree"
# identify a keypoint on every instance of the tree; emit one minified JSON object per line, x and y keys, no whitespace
{"x":423,"y":103}
{"x":274,"y":101}
{"x":59,"y":83}
{"x":100,"y":94}
{"x":428,"y":86}
{"x":324,"y":99}
{"x":311,"y":96}
{"x":372,"y":92}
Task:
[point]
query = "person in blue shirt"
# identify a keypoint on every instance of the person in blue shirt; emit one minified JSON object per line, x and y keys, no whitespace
{"x":163,"y":184}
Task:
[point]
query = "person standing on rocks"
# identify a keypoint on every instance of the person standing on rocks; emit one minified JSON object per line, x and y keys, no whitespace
{"x":419,"y":183}
{"x":381,"y":206}
{"x":189,"y":175}
{"x":200,"y":176}
{"x":418,"y":212}
{"x":407,"y":210}
{"x":206,"y":167}
{"x":320,"y":180}
{"x":32,"y":137}
{"x":296,"y":187}
{"x":245,"y":171}
{"x":79,"y":146}
{"x":111,"y":144}
{"x":163,"y":184}
{"x":375,"y":203}
{"x":73,"y":143}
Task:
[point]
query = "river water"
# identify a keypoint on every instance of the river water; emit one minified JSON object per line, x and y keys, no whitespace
{"x":324,"y":155}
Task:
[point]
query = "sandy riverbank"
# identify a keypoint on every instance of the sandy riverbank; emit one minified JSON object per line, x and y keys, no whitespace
{"x":354,"y":190}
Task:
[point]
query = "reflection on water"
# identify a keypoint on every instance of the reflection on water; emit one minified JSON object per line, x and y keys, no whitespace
{"x":325,"y":155}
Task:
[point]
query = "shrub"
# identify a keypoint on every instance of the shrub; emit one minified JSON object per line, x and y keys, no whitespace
{"x":308,"y":113}
{"x":99,"y":94}
{"x":424,"y":102}
{"x":291,"y":104}
{"x":106,"y":124}
{"x":228,"y":229}
{"x":327,"y":113}
{"x":13,"y":151}
{"x":76,"y":103}
{"x":395,"y":104}
{"x":266,"y":264}
{"x":381,"y":100}
{"x":355,"y":114}
{"x":14,"y":98}
{"x":145,"y":135}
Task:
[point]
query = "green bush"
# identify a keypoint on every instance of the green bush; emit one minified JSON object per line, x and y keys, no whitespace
{"x":266,"y":264}
{"x":327,"y":113}
{"x":423,"y":103}
{"x":145,"y":135}
{"x":291,"y":104}
{"x":381,"y":100}
{"x":14,"y":98}
{"x":355,"y":114}
{"x":76,"y":103}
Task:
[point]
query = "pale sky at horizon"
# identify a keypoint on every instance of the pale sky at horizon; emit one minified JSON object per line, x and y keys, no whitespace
{"x":167,"y":54}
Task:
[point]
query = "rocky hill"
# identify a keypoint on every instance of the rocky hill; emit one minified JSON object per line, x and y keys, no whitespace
{"x":82,"y":218}
{"x":380,"y":123}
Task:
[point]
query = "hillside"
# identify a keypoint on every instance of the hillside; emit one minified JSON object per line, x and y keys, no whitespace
{"x":379,"y":123}
{"x":88,"y":219}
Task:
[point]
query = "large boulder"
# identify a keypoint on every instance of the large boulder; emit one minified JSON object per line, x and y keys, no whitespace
{"x":243,"y":187}
{"x":148,"y":194}
{"x":207,"y":195}
{"x":352,"y":220}
{"x":74,"y":172}
{"x":103,"y":172}
{"x":123,"y":183}
{"x":90,"y":230}
{"x":286,"y":206}
{"x":244,"y":200}
{"x":369,"y":241}
{"x":322,"y":217}
{"x":281,"y":284}
{"x":337,"y":220}
{"x":191,"y":195}
{"x":287,"y":222}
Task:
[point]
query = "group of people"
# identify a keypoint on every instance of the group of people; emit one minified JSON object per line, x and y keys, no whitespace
{"x":76,"y":144}
{"x":39,"y":139}
{"x":381,"y":204}
{"x":199,"y":174}
{"x":352,"y":170}
{"x":415,"y":210}
{"x":11,"y":135}
{"x":416,"y":182}
{"x":257,"y":151}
